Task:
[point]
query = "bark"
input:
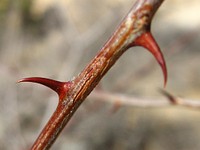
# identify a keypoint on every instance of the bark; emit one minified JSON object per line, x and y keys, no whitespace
{"x":133,"y":31}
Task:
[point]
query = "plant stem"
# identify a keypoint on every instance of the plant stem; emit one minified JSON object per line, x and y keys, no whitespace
{"x":133,"y":31}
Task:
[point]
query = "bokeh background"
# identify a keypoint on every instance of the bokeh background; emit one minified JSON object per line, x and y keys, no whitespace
{"x":57,"y":38}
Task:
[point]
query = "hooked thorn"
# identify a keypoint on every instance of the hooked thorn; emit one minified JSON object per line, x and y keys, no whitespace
{"x":61,"y":88}
{"x":147,"y":41}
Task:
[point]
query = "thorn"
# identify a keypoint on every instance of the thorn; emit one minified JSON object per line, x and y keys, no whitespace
{"x":147,"y":41}
{"x":60,"y":88}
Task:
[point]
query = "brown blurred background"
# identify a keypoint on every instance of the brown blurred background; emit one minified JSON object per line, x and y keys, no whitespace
{"x":57,"y":38}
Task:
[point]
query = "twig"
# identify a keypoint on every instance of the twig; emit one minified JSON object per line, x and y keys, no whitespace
{"x":181,"y":102}
{"x":124,"y":100}
{"x":133,"y":31}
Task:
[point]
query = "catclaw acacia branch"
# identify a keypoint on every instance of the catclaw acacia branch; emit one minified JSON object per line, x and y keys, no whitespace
{"x":133,"y":31}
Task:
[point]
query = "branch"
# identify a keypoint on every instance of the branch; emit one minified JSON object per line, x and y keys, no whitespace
{"x":124,"y":100}
{"x":133,"y":31}
{"x":181,"y":102}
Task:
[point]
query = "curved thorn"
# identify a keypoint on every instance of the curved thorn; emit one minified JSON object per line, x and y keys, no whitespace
{"x":147,"y":41}
{"x":59,"y":87}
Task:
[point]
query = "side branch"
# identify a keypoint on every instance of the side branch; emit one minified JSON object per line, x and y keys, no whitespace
{"x":124,"y":100}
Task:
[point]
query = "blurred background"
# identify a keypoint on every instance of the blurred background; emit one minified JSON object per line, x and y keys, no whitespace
{"x":57,"y":38}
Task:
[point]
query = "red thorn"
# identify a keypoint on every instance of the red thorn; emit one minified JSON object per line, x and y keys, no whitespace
{"x":60,"y":88}
{"x":147,"y":41}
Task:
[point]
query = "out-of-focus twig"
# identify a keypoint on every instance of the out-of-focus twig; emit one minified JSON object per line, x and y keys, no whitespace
{"x":180,"y":101}
{"x":132,"y":101}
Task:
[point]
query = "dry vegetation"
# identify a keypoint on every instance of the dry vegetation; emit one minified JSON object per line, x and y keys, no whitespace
{"x":57,"y":39}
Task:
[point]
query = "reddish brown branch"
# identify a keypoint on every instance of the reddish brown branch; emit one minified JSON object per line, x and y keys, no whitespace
{"x":133,"y":31}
